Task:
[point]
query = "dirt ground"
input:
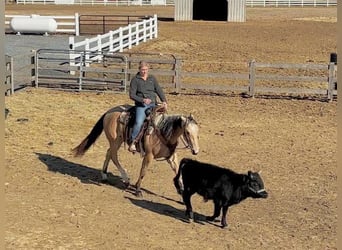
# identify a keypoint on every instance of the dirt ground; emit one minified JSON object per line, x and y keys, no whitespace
{"x":56,"y":201}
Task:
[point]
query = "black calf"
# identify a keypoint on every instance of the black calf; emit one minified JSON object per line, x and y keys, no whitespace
{"x":221,"y":185}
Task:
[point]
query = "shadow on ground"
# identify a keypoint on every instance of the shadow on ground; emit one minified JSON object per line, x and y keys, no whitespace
{"x":167,"y":210}
{"x":83,"y":173}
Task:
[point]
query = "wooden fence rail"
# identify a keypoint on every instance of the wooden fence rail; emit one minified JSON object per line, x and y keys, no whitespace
{"x":114,"y":71}
{"x":329,"y":80}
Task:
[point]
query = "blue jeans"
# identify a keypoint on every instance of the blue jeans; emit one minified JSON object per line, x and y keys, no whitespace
{"x":139,"y":119}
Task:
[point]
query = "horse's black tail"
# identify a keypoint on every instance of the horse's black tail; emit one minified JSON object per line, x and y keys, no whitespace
{"x":176,"y":179}
{"x":90,"y":139}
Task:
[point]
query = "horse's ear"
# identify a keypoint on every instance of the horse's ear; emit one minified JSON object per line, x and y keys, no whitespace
{"x":191,"y":117}
{"x":182,"y":121}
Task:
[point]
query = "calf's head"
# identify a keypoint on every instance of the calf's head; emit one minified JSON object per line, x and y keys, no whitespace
{"x":256,"y":185}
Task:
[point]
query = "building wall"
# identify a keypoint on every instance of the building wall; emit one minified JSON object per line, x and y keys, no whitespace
{"x":183,"y":10}
{"x":236,"y":11}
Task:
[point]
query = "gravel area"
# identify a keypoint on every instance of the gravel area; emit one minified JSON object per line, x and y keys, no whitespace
{"x":23,"y":44}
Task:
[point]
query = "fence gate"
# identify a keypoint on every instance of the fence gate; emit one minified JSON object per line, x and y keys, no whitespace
{"x":54,"y":69}
{"x":100,"y":71}
{"x":101,"y":24}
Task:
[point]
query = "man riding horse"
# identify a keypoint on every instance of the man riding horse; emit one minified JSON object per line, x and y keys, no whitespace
{"x":157,"y":140}
{"x":144,"y":89}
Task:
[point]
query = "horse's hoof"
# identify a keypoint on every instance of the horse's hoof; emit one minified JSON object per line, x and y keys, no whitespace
{"x":138,"y":193}
{"x":104,"y":177}
{"x":126,"y":185}
{"x":210,"y":218}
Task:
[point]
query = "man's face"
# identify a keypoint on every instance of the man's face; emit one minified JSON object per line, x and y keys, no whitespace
{"x":144,"y":71}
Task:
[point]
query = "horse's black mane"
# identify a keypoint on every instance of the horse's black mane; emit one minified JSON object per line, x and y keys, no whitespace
{"x":168,"y":124}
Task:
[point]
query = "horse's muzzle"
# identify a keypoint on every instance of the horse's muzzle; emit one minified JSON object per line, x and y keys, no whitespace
{"x":194,"y":152}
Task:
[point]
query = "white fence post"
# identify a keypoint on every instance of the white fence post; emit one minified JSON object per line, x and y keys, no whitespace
{"x":71,"y":55}
{"x":144,"y":29}
{"x":87,"y":56}
{"x":111,"y":45}
{"x":155,"y":26}
{"x":120,"y":39}
{"x":129,"y":36}
{"x":137,"y":32}
{"x":77,"y":24}
{"x":99,"y":43}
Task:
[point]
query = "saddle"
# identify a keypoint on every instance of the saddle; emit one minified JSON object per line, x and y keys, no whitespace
{"x":127,"y":118}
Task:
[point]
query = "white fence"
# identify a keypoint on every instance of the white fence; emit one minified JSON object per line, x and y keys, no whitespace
{"x":115,"y":41}
{"x":100,"y":2}
{"x":249,"y":3}
{"x":65,"y":24}
{"x":291,"y":3}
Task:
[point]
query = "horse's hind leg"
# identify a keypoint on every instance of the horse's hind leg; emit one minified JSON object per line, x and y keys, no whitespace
{"x":123,"y":171}
{"x":105,"y":166}
{"x":112,"y":154}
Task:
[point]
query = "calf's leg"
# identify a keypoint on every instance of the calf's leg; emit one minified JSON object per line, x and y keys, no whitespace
{"x":187,"y":201}
{"x":217,"y":210}
{"x":224,"y":216}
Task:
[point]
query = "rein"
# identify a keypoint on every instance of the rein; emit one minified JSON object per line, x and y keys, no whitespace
{"x":173,"y":146}
{"x":186,"y":139}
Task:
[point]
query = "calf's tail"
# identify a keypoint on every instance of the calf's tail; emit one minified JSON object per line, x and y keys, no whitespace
{"x":176,"y":181}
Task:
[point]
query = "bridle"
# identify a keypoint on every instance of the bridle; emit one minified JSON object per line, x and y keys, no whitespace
{"x":186,"y":138}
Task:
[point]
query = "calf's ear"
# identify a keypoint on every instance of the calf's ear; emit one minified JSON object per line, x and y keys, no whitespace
{"x":250,"y":175}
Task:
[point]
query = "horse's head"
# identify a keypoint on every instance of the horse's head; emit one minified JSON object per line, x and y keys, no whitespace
{"x":190,"y":134}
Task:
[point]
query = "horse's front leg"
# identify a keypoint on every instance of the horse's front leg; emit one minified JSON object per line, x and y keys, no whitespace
{"x":173,"y":161}
{"x":145,"y":163}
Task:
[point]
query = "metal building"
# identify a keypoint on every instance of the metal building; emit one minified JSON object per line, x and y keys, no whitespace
{"x":216,"y":10}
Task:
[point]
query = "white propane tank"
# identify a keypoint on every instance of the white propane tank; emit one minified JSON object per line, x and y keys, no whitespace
{"x":33,"y":24}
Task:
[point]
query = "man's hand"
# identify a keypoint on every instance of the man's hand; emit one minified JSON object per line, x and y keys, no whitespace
{"x":165,"y":105}
{"x":147,"y":101}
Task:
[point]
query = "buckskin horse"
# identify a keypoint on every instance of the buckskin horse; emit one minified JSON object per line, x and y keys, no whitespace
{"x":159,"y":141}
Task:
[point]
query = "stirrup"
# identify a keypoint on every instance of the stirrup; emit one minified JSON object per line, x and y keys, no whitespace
{"x":132,"y":148}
